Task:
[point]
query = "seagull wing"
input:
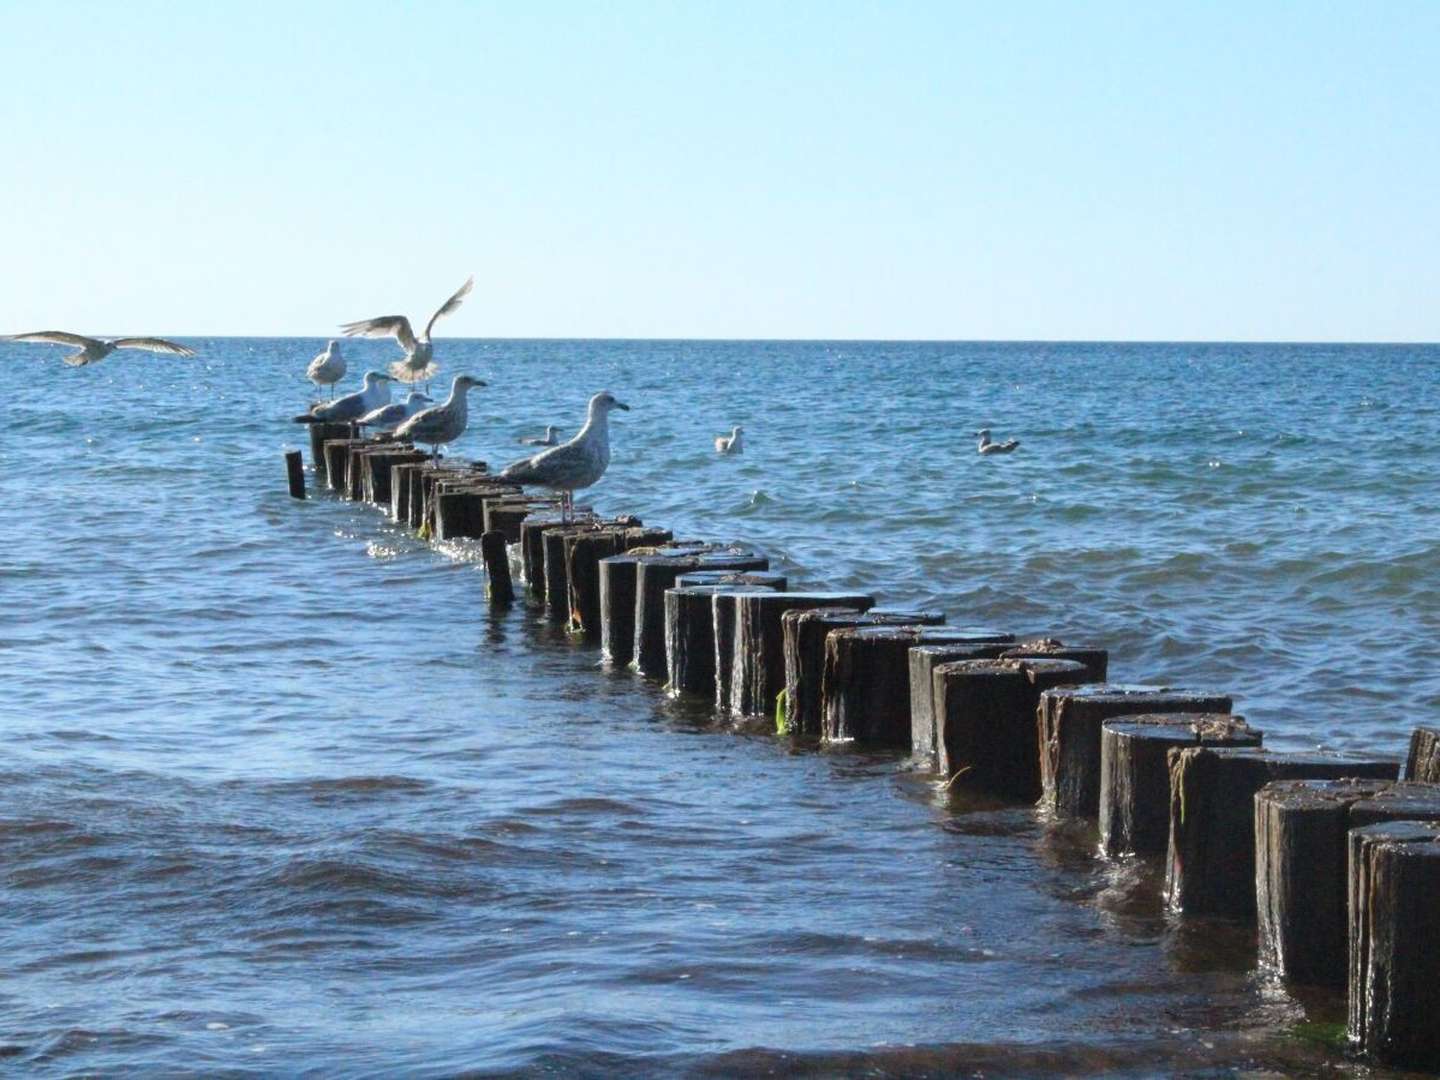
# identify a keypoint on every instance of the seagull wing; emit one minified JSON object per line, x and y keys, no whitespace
{"x":396,"y":326}
{"x":56,"y":337}
{"x":153,"y":344}
{"x":451,"y":304}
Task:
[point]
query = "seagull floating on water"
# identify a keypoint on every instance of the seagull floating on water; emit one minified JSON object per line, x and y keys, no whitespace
{"x":328,"y":368}
{"x":988,"y":447}
{"x":93,"y":350}
{"x":730,"y":444}
{"x":441,"y":423}
{"x":548,"y":439}
{"x":346,"y":410}
{"x":418,"y":365}
{"x":575,"y":464}
{"x":388,"y":417}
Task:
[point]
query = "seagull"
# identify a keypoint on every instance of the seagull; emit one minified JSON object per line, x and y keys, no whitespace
{"x":387,"y":417}
{"x":351,"y":407}
{"x":988,"y":447}
{"x":417,"y":365}
{"x":548,"y":439}
{"x":730,"y":444}
{"x":328,"y":368}
{"x":93,"y":350}
{"x":441,"y":423}
{"x":575,"y":464}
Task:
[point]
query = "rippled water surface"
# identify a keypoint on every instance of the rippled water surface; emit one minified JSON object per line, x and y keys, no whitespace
{"x":281,"y":795}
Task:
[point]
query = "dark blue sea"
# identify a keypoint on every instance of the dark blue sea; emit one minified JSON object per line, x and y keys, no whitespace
{"x":282,"y":795}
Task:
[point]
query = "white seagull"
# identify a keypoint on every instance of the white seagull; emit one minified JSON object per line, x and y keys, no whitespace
{"x":730,"y":444}
{"x":346,"y":410}
{"x":93,"y":350}
{"x":328,"y":368}
{"x":418,"y":365}
{"x":575,"y":464}
{"x":548,"y":439}
{"x":388,"y":417}
{"x":441,"y":423}
{"x":988,"y":447}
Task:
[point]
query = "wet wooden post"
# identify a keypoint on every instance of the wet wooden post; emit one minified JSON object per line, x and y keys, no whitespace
{"x":532,"y":549}
{"x":355,"y":465}
{"x":803,"y":633}
{"x":1300,"y":851}
{"x":402,"y":477}
{"x":505,"y":515}
{"x":337,"y":463}
{"x":460,"y":507}
{"x":1394,"y":939}
{"x":496,"y":554}
{"x":924,"y":724}
{"x":690,"y":625}
{"x":451,"y":475}
{"x":295,"y":473}
{"x":619,"y":575}
{"x":583,"y":552}
{"x":654,"y":574}
{"x":1423,"y":762}
{"x":1135,"y":773}
{"x":1210,"y":857}
{"x":1095,"y":659}
{"x":757,"y":667}
{"x":985,"y":720}
{"x":865,"y":686}
{"x":1070,"y":722}
{"x":379,"y":468}
{"x":320,"y":434}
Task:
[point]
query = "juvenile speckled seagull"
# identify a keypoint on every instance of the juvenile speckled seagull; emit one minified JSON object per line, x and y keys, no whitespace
{"x":988,"y":447}
{"x":328,"y":368}
{"x":418,"y":365}
{"x":441,"y":423}
{"x":548,"y":439}
{"x":388,"y":417}
{"x":731,"y":444}
{"x":575,"y":464}
{"x":373,"y":393}
{"x":93,"y":350}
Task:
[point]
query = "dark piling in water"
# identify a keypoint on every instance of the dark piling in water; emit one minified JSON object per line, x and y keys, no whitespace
{"x":496,"y":554}
{"x":1423,"y":762}
{"x":532,"y":549}
{"x":1095,"y":659}
{"x":865,"y":685}
{"x":1394,"y":937}
{"x":654,"y":574}
{"x":757,"y":670}
{"x":379,"y":466}
{"x":1070,"y":722}
{"x":295,"y":474}
{"x":402,"y":476}
{"x":505,"y":515}
{"x":337,"y":463}
{"x":1210,"y":859}
{"x":924,"y":724}
{"x":985,"y":720}
{"x":1135,"y":773}
{"x":690,"y":625}
{"x":320,"y":434}
{"x":583,"y":552}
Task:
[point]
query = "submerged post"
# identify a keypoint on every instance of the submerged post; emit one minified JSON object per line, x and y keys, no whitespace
{"x":497,"y":567}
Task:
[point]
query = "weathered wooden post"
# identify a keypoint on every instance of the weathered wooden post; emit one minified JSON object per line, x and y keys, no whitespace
{"x":690,"y":625}
{"x":337,"y":462}
{"x":985,"y":720}
{"x":355,"y":465}
{"x":923,"y":660}
{"x":495,"y":552}
{"x":1210,"y":859}
{"x":1135,"y":773}
{"x":803,"y":634}
{"x":320,"y":434}
{"x":1423,"y":762}
{"x":295,"y":473}
{"x":505,"y":515}
{"x":379,"y":467}
{"x":654,"y":574}
{"x":1095,"y":659}
{"x":617,"y":607}
{"x":1070,"y":735}
{"x":757,"y":669}
{"x":532,"y":549}
{"x":583,"y":552}
{"x":459,"y":514}
{"x":1394,"y":995}
{"x":865,"y":687}
{"x":402,"y":477}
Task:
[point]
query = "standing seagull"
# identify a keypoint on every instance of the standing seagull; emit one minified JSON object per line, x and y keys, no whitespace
{"x":388,"y":417}
{"x":548,"y":439}
{"x":417,"y":365}
{"x":441,"y":423}
{"x":328,"y":368}
{"x":988,"y":447}
{"x":731,"y":444}
{"x":575,"y":464}
{"x":93,"y":350}
{"x":346,"y":410}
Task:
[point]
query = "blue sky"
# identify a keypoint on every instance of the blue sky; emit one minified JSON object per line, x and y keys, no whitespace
{"x":729,"y":169}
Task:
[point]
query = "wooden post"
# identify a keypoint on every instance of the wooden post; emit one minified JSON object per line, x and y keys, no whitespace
{"x":1070,"y":723}
{"x":320,"y":434}
{"x":690,"y":625}
{"x":295,"y":472}
{"x":1095,"y":659}
{"x":495,"y":552}
{"x":1210,"y":859}
{"x":985,"y":720}
{"x":757,"y":668}
{"x":1423,"y":762}
{"x":583,"y":552}
{"x":355,"y":465}
{"x":923,"y":660}
{"x":505,"y":514}
{"x":532,"y":550}
{"x":617,"y":609}
{"x":1394,"y":995}
{"x":402,"y":476}
{"x":656,"y":573}
{"x":337,"y":463}
{"x":379,"y":467}
{"x":803,"y":634}
{"x":1135,"y":773}
{"x":1300,"y":851}
{"x":865,"y":686}
{"x":459,"y":514}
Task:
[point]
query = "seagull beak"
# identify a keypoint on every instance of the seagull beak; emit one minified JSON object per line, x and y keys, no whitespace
{"x":622,"y":405}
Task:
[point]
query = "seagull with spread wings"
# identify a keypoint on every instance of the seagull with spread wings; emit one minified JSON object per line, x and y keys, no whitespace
{"x":93,"y":350}
{"x":419,"y":364}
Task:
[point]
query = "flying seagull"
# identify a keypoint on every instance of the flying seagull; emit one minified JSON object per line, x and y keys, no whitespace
{"x":575,"y":464}
{"x":93,"y":350}
{"x":418,"y":365}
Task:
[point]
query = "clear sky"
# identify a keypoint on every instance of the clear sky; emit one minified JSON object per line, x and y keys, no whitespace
{"x":728,"y":169}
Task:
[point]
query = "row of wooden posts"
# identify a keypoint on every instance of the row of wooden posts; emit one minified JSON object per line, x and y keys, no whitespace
{"x":1335,"y":855}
